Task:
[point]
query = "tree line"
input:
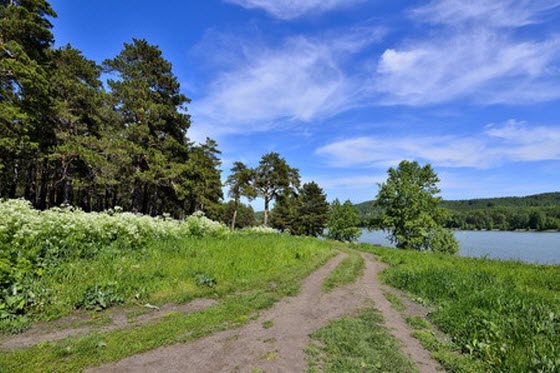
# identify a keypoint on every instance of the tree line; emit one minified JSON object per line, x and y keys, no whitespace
{"x":298,"y":209}
{"x":65,"y":139}
{"x":536,"y":212}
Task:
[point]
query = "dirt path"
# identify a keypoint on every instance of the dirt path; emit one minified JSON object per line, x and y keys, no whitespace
{"x":393,"y":319}
{"x":60,"y":329}
{"x":275,"y":342}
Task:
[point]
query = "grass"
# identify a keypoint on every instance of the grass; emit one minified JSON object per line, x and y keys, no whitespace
{"x":356,"y":344}
{"x":173,"y":271}
{"x":347,"y":272}
{"x":395,"y":301}
{"x":254,"y":270}
{"x":504,"y":314}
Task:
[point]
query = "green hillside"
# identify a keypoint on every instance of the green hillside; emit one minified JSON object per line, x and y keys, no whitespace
{"x":538,"y":212}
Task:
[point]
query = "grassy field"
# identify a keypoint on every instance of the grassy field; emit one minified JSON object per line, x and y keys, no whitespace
{"x":505,"y":314}
{"x":253,"y":270}
{"x":357,"y":343}
{"x":176,"y":270}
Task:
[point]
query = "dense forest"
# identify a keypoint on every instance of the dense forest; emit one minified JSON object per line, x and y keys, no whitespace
{"x":535,"y":212}
{"x":69,"y":137}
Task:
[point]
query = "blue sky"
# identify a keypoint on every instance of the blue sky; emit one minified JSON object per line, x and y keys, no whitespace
{"x":344,"y":89}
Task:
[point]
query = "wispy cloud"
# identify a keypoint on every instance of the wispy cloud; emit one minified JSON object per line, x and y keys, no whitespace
{"x":475,"y":55}
{"x":301,"y":80}
{"x":349,"y":182}
{"x":496,"y":13}
{"x":291,"y":9}
{"x":510,"y":142}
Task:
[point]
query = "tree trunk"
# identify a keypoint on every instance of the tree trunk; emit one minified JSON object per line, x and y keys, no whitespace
{"x":233,"y":219}
{"x":15,"y":179}
{"x":266,"y":202}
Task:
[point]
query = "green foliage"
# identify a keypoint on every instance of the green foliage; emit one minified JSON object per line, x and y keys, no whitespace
{"x":244,"y":215}
{"x":202,"y":279}
{"x":505,"y":314}
{"x":33,"y":243}
{"x":274,"y":177}
{"x":357,"y":344}
{"x":343,"y":222}
{"x":240,"y":183}
{"x":100,"y":297}
{"x":65,"y":140}
{"x":442,"y":240}
{"x":537,"y":212}
{"x":301,"y":213}
{"x":312,"y":212}
{"x":245,"y":268}
{"x":411,"y":210}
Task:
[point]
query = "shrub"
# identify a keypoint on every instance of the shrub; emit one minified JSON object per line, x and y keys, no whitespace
{"x":441,"y":240}
{"x":32,"y":241}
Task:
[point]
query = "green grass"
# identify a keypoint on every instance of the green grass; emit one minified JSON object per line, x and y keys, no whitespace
{"x":505,"y":314}
{"x":175,"y":270}
{"x":448,"y":353}
{"x":417,"y":322}
{"x":347,"y":272}
{"x":395,"y":301}
{"x":258,"y":270}
{"x":357,"y":344}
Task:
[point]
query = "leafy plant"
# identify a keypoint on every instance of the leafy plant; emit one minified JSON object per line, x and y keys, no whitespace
{"x":100,"y":297}
{"x":203,"y":279}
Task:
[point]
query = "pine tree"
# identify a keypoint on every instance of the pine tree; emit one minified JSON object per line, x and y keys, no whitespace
{"x":25,"y":39}
{"x":273,"y":177}
{"x":312,"y":210}
{"x":240,"y":184}
{"x":152,"y":108}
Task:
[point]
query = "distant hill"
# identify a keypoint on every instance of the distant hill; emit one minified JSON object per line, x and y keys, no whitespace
{"x":539,"y":211}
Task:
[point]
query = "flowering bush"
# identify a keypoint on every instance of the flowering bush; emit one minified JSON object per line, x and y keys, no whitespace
{"x":31,"y":240}
{"x":260,"y":229}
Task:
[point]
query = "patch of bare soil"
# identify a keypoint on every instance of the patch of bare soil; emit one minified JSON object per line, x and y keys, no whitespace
{"x":275,"y":342}
{"x":64,"y":327}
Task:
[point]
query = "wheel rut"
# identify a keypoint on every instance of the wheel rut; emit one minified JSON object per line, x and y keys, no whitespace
{"x":276,"y":340}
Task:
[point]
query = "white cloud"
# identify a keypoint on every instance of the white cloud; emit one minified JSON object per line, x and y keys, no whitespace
{"x":510,"y":142}
{"x":482,"y":65}
{"x":349,"y":182}
{"x":291,"y":9}
{"x":475,"y":54}
{"x":496,"y":13}
{"x":300,"y":81}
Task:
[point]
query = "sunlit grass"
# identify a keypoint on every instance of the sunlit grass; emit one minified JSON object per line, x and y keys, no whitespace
{"x":347,"y":272}
{"x":258,"y":269}
{"x":357,"y":344}
{"x":168,"y":270}
{"x":504,"y":313}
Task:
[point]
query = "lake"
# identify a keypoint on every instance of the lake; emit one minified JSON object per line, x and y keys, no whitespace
{"x":531,"y":247}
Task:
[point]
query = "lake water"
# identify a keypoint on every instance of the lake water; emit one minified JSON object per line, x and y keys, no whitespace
{"x":532,"y":247}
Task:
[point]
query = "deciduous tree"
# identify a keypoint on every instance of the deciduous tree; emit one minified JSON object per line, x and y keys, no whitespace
{"x":411,"y":207}
{"x":343,"y":222}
